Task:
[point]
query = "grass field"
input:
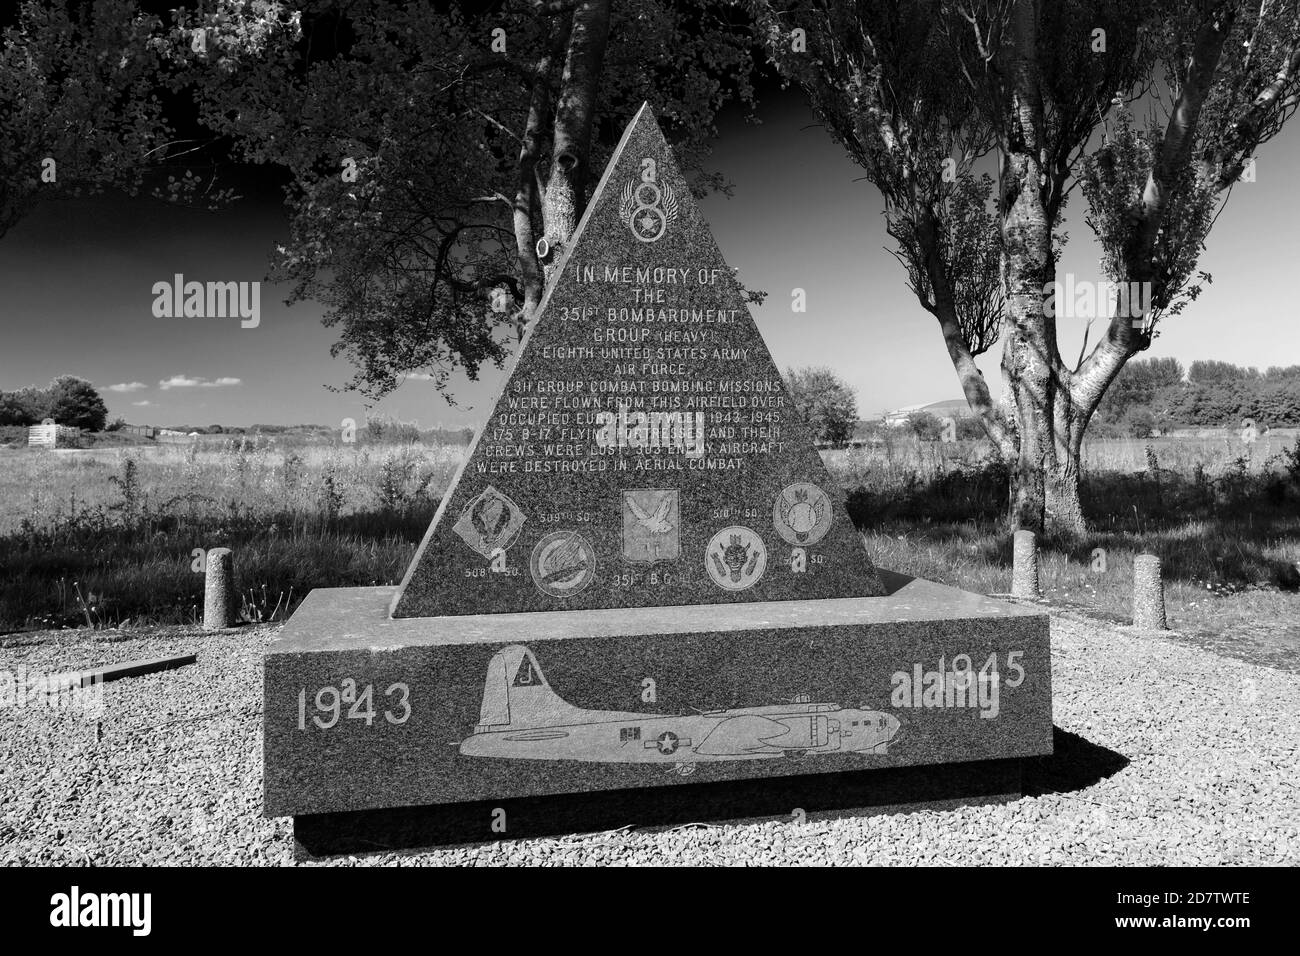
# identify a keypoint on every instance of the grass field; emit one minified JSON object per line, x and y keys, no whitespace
{"x":108,"y":536}
{"x":1223,"y":514}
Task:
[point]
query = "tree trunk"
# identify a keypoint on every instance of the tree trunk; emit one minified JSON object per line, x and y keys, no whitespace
{"x":1027,"y":506}
{"x":1047,"y":468}
{"x":526,"y":204}
{"x":974,"y":387}
{"x":575,"y":113}
{"x":1029,"y":364}
{"x":1030,"y":359}
{"x":1064,"y":511}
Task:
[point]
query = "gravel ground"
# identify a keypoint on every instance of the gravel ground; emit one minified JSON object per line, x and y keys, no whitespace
{"x":1210,"y":743}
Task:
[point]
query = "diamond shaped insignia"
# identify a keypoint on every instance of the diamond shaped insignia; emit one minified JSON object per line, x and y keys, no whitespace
{"x":489,"y":522}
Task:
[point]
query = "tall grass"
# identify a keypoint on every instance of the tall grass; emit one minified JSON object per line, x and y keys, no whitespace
{"x":1224,"y":518}
{"x":109,"y":536}
{"x":123,"y":527}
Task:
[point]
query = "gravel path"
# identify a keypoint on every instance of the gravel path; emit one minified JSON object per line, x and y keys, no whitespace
{"x":1211,"y":777}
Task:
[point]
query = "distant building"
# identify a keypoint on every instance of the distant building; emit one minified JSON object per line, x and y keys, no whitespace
{"x":48,"y":434}
{"x":953,"y":408}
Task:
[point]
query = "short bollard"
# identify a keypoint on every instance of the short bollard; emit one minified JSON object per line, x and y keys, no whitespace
{"x":1024,"y":569}
{"x":219,"y":609}
{"x":1148,"y":593}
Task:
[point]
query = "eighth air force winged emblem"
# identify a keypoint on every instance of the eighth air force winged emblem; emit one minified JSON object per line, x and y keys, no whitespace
{"x":647,"y":206}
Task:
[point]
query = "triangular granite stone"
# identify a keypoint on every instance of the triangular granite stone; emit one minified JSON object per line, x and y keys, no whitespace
{"x":644,"y":451}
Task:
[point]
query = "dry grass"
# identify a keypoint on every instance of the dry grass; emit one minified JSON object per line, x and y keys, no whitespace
{"x":109,"y":535}
{"x":901,"y":455}
{"x":1223,"y":514}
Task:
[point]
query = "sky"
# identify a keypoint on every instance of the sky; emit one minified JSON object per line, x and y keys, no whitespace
{"x":76,"y":281}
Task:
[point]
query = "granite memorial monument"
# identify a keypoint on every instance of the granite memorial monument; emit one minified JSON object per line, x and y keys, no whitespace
{"x":642,"y":574}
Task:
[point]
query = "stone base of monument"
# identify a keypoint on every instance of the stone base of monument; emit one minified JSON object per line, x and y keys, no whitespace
{"x":364,"y":712}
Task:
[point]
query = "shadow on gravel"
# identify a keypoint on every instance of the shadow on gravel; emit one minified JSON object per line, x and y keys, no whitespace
{"x":819,"y":797}
{"x":1075,"y":764}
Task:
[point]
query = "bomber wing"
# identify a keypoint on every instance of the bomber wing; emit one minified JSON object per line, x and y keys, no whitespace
{"x":741,"y":735}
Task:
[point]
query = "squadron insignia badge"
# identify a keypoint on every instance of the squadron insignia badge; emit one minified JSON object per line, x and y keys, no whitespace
{"x":736,"y":558}
{"x":489,"y":522}
{"x":563,"y":563}
{"x":651,"y":525}
{"x":802,"y":514}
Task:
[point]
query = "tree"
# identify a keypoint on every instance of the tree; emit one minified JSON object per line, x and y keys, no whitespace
{"x":79,"y":110}
{"x":920,"y":93}
{"x":26,"y":406}
{"x":442,"y":152}
{"x":824,"y":402}
{"x":69,"y":400}
{"x":1210,"y":371}
{"x":970,"y":429}
{"x":1153,"y":384}
{"x":73,"y":401}
{"x":1219,"y":393}
{"x":925,"y":425}
{"x":12,"y":411}
{"x":1139,"y":422}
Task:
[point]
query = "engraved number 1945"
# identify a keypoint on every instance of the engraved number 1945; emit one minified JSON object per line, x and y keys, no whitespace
{"x":360,"y":704}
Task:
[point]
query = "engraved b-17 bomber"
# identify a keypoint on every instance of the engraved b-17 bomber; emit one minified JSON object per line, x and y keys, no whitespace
{"x":523,"y":718}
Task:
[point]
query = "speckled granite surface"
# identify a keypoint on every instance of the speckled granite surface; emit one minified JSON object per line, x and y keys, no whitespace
{"x":363,"y":711}
{"x":642,"y":576}
{"x":644,"y":450}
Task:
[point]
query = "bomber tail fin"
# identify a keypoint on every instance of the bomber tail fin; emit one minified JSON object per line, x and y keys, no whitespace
{"x":516,"y":693}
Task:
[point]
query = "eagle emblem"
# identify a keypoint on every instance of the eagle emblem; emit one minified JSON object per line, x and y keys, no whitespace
{"x":651,"y":521}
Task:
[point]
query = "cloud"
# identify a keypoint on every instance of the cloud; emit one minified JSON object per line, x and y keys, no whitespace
{"x":188,"y":381}
{"x":127,"y":387}
{"x":141,"y":404}
{"x":179,"y":381}
{"x":419,"y":376}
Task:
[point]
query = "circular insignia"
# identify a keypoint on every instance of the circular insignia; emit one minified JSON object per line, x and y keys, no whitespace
{"x":648,"y":223}
{"x":667,"y":742}
{"x":562,"y":564}
{"x":802,"y":514}
{"x":735,"y":558}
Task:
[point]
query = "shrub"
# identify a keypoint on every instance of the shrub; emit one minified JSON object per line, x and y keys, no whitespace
{"x":925,"y":425}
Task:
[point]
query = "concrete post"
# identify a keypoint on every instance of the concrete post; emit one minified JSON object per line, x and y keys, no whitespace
{"x":1148,"y":593}
{"x":1024,"y":569}
{"x":220,"y":602}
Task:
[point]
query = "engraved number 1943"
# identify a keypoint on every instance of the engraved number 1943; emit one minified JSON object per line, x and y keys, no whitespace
{"x":330,"y":702}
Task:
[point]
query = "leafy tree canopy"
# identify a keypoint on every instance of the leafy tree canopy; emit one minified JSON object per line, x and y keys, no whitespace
{"x":426,"y":141}
{"x":69,"y":400}
{"x":80,"y":110}
{"x":825,"y":402}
